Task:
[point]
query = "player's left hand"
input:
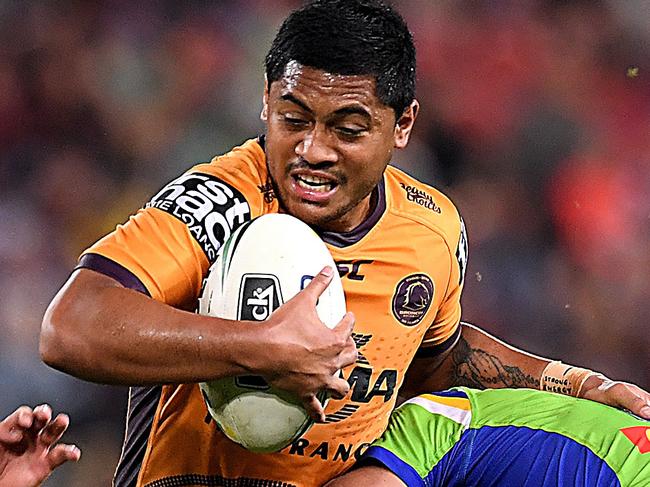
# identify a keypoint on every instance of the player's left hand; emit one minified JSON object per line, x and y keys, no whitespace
{"x":618,"y":394}
{"x":28,"y":446}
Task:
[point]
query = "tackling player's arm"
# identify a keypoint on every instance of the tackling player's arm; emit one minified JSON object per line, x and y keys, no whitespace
{"x":482,"y":361}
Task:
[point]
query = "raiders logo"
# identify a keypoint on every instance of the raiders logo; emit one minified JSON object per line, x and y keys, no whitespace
{"x":412,"y":299}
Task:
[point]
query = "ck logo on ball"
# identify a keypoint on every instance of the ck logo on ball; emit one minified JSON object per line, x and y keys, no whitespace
{"x":412,"y":299}
{"x":260,"y":295}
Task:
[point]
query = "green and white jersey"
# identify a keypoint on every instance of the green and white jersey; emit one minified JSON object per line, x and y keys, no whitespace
{"x":513,"y":437}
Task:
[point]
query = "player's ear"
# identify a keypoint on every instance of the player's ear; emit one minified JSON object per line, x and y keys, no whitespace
{"x":404,"y":125}
{"x":265,"y":101}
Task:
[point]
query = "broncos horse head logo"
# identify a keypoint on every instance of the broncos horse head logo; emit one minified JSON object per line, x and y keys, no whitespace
{"x":417,"y":297}
{"x":412,"y":298}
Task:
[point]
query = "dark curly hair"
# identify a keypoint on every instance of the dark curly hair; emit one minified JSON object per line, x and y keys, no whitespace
{"x":349,"y":37}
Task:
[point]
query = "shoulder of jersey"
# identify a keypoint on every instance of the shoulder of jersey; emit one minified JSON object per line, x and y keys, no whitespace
{"x":422,"y":203}
{"x":243,"y":167}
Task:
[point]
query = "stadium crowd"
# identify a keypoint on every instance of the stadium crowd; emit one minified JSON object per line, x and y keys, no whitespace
{"x":535,"y":121}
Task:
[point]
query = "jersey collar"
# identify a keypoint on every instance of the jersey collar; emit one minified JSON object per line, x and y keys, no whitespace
{"x":345,"y":239}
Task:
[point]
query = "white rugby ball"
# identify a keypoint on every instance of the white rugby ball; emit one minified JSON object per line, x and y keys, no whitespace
{"x":263,"y":264}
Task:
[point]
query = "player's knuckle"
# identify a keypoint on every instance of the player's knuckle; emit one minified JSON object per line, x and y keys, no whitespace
{"x":341,"y":342}
{"x":619,"y":393}
{"x":638,"y":402}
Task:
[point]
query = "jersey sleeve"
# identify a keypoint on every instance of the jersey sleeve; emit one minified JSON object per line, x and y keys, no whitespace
{"x":155,"y":250}
{"x":445,"y":330}
{"x":168,"y":246}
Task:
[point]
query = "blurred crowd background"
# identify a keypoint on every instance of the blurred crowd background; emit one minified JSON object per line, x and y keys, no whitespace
{"x":535,"y":119}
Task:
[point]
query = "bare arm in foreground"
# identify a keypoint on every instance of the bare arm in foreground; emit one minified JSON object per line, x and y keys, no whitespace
{"x":97,"y":330}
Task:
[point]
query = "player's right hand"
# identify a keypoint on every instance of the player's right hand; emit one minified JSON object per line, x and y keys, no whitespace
{"x":302,"y":355}
{"x":28,"y":446}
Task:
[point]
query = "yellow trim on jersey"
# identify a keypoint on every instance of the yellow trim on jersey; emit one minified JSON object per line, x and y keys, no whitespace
{"x":455,"y":402}
{"x":457,"y":409}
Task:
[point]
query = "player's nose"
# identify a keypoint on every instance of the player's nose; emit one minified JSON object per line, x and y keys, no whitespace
{"x":316,"y":147}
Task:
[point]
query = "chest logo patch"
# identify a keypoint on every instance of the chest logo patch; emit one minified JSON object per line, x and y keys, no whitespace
{"x":412,"y":298}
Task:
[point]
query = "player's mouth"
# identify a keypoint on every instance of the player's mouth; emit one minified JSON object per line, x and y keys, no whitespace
{"x":312,"y":186}
{"x":313,"y":183}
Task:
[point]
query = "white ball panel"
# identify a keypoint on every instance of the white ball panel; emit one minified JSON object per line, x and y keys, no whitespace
{"x":263,"y":264}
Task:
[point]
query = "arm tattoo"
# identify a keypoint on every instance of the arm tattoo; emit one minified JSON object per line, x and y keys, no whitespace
{"x":477,"y":368}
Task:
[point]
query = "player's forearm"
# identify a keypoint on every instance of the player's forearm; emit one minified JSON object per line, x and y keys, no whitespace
{"x":482,"y":361}
{"x":99,"y":331}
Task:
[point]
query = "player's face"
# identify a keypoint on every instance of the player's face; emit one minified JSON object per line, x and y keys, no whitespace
{"x":329,"y":140}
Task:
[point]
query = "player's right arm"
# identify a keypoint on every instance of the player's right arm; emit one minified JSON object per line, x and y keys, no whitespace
{"x":98,"y":330}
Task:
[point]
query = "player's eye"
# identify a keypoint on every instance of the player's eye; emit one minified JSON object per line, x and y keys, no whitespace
{"x":294,"y":121}
{"x":350,"y":132}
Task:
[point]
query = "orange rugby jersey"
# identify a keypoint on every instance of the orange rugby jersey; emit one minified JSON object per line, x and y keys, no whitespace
{"x":402,"y":272}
